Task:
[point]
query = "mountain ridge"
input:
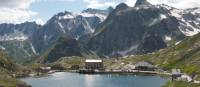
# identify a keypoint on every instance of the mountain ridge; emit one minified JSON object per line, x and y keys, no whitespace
{"x":33,"y":39}
{"x":134,"y":24}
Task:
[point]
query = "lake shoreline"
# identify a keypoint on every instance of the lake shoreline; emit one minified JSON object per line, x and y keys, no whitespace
{"x":70,"y":76}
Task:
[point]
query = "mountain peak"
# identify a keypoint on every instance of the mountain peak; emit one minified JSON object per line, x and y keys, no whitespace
{"x":63,"y":14}
{"x":96,"y":11}
{"x":142,"y":2}
{"x":121,"y":6}
{"x":110,"y":9}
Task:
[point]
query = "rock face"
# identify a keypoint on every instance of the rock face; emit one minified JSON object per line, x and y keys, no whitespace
{"x":71,"y":25}
{"x":17,"y":40}
{"x":121,"y":31}
{"x":63,"y":48}
{"x":26,"y":40}
{"x":141,"y":29}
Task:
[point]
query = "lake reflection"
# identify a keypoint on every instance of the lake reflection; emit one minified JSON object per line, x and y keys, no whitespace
{"x":64,"y":79}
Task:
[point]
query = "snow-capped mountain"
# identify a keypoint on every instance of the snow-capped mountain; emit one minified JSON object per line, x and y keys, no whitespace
{"x":74,"y":25}
{"x":16,"y":39}
{"x":189,"y":19}
{"x":121,"y":31}
{"x":143,"y":28}
{"x":30,"y":39}
{"x":18,"y":36}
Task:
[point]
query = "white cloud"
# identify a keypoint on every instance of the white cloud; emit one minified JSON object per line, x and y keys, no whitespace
{"x":54,"y":0}
{"x":15,"y":11}
{"x":8,"y":15}
{"x":181,"y":4}
{"x":15,"y":3}
{"x":130,"y":3}
{"x":98,"y":4}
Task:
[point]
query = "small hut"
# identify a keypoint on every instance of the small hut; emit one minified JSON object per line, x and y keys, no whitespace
{"x":176,"y":73}
{"x":44,"y":69}
{"x":93,"y":64}
{"x":144,"y":66}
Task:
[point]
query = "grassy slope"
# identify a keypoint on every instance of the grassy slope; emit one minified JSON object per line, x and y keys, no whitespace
{"x":185,"y":55}
{"x":180,"y":84}
{"x":7,"y":67}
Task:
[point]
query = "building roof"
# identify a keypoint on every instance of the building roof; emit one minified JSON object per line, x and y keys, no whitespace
{"x":176,"y":71}
{"x":93,"y":60}
{"x":143,"y":63}
{"x":45,"y":67}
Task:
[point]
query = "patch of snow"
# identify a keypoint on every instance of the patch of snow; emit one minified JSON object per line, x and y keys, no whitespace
{"x":162,"y":16}
{"x":15,"y":36}
{"x":168,"y":38}
{"x":87,"y":26}
{"x":67,"y":16}
{"x":84,"y":14}
{"x":187,"y":32}
{"x":177,"y":42}
{"x":45,"y":37}
{"x":187,"y":29}
{"x":39,"y":21}
{"x":125,"y":52}
{"x":102,"y":17}
{"x":3,"y":48}
{"x":176,"y":13}
{"x":187,"y":26}
{"x":189,"y":79}
{"x":197,"y":82}
{"x":197,"y":23}
{"x":132,"y":55}
{"x":198,"y":19}
{"x":77,"y":38}
{"x":196,"y":11}
{"x":157,"y":20}
{"x":27,"y":53}
{"x":154,"y":21}
{"x":33,"y":49}
{"x":165,"y":6}
{"x":136,"y":8}
{"x":125,"y":56}
{"x":62,"y":27}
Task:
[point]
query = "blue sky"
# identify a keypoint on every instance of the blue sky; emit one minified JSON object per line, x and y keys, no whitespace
{"x":47,"y":9}
{"x":18,"y":11}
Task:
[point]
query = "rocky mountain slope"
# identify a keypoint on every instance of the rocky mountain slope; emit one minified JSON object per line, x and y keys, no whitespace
{"x":64,"y":47}
{"x":70,"y":25}
{"x":27,"y":40}
{"x":122,"y":31}
{"x":142,"y":29}
{"x":184,"y":55}
{"x":17,"y":40}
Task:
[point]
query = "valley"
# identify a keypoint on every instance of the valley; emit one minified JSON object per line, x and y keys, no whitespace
{"x":162,"y":35}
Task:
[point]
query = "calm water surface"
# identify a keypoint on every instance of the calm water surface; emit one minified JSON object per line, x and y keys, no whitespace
{"x":64,"y":79}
